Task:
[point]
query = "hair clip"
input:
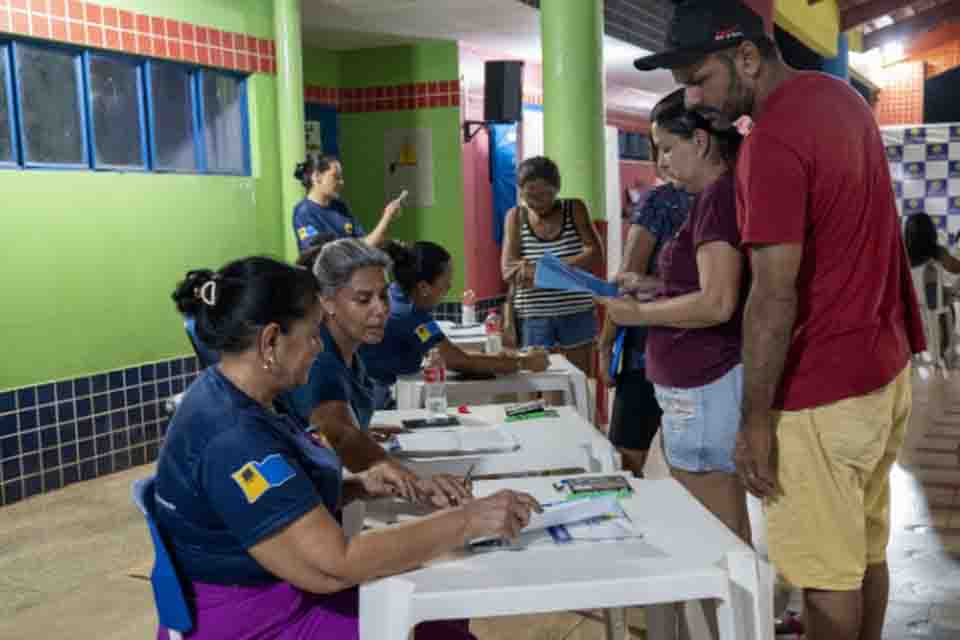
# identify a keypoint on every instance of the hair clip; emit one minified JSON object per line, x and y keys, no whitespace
{"x":208,"y":293}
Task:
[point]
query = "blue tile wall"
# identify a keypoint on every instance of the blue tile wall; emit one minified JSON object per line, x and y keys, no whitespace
{"x":62,"y":432}
{"x":57,"y":433}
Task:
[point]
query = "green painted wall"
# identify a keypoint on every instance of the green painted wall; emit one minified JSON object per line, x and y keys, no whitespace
{"x":392,"y":65}
{"x":321,"y":67}
{"x":362,"y":145}
{"x":90,"y":258}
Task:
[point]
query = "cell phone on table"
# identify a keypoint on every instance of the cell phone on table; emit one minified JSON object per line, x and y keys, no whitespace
{"x":595,"y":484}
{"x":436,"y":421}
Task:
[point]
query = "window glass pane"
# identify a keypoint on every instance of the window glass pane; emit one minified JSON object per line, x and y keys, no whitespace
{"x":173,"y":118}
{"x":115,"y":100}
{"x":6,"y":135}
{"x":223,"y":123}
{"x":49,"y":105}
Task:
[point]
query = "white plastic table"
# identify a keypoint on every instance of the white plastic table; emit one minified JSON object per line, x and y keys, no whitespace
{"x":560,"y":376}
{"x":685,"y":554}
{"x":567,"y":441}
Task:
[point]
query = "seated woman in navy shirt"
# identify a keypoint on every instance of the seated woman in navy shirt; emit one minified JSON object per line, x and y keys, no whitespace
{"x":322,"y":211}
{"x":246,"y":500}
{"x":338,"y":399}
{"x":421,"y":280}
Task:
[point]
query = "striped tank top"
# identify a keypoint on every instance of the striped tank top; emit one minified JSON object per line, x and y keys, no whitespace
{"x":545,"y":303}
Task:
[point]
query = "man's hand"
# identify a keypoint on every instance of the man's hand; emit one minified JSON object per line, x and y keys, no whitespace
{"x":755,"y":455}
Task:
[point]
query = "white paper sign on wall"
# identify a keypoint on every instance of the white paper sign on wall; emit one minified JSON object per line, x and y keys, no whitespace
{"x":408,"y":165}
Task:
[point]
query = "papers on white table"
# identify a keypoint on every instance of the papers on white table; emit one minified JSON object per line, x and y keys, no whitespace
{"x":587,"y":519}
{"x":574,"y":511}
{"x":453,"y":442}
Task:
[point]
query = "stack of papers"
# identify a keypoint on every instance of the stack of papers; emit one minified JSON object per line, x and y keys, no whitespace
{"x":571,"y":512}
{"x":599,"y":518}
{"x":454,"y":442}
{"x":593,"y":519}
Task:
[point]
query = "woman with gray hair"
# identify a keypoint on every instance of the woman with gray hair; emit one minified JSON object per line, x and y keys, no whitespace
{"x":338,"y":399}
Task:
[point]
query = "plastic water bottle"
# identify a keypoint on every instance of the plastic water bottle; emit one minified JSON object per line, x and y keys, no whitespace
{"x":468,"y":310}
{"x":435,"y":381}
{"x":493,"y":329}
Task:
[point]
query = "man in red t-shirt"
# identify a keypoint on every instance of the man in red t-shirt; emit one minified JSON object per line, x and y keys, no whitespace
{"x":831,"y":320}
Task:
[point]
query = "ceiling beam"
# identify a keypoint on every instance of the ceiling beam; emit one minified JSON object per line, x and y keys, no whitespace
{"x":870,"y":10}
{"x":918,"y":24}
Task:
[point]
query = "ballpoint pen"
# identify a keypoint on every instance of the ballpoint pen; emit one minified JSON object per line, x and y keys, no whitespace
{"x":467,"y":479}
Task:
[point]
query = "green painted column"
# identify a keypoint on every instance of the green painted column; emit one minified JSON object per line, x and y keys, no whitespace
{"x":290,"y":129}
{"x":573,"y":97}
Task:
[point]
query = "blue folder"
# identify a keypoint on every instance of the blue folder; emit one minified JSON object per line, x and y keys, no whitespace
{"x":554,"y":273}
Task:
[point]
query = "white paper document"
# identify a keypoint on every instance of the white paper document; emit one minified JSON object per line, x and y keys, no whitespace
{"x":574,"y":511}
{"x":588,"y":519}
{"x":452,"y":442}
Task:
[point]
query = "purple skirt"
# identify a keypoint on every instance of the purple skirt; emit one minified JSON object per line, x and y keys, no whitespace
{"x":283,"y":612}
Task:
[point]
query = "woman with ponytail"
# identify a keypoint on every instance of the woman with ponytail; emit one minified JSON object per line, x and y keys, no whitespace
{"x":322,"y":211}
{"x":247,"y":501}
{"x":422,"y":273}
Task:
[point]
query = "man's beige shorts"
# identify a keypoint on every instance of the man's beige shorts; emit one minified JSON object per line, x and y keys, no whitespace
{"x":832,"y":518}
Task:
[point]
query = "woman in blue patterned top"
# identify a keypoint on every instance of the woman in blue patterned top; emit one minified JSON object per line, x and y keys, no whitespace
{"x":636,"y":413}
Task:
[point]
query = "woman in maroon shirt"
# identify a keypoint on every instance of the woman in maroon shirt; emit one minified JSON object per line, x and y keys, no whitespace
{"x":693,"y":344}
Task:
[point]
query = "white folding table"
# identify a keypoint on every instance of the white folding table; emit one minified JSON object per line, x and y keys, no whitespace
{"x":560,"y":376}
{"x":684,"y":553}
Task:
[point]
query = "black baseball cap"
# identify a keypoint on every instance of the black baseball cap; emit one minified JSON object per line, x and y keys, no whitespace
{"x":700,"y":27}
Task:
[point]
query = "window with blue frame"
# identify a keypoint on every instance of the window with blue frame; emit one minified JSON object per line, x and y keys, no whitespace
{"x":48,"y":89}
{"x":172,"y":117}
{"x":116,"y":110}
{"x":7,"y":150}
{"x":223,"y":98}
{"x":62,"y":107}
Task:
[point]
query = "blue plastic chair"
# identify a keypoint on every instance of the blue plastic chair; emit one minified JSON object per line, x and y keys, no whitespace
{"x":172,"y":608}
{"x":205,"y":355}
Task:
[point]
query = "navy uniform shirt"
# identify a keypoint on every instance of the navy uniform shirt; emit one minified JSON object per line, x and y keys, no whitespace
{"x":331,"y":379}
{"x":410,"y":333}
{"x":232,"y":473}
{"x":310,"y":219}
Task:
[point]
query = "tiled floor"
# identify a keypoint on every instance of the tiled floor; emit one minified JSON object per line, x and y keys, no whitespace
{"x":66,"y":558}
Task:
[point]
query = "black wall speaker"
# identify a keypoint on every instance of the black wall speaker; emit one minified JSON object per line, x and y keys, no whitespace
{"x":503,"y":91}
